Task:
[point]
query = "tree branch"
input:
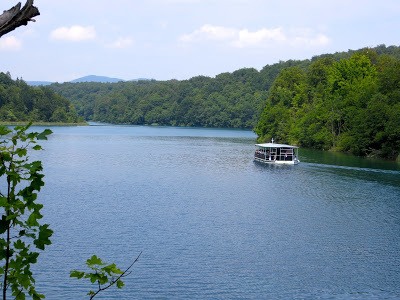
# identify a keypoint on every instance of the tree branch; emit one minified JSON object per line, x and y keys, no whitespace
{"x":16,"y":17}
{"x":124,"y":274}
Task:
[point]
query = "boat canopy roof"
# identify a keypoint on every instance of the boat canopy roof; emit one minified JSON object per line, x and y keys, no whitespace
{"x":274,"y":145}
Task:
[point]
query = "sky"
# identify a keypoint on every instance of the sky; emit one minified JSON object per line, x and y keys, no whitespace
{"x":180,"y":39}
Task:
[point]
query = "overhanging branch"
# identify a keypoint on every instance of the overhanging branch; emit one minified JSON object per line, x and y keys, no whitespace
{"x":16,"y":17}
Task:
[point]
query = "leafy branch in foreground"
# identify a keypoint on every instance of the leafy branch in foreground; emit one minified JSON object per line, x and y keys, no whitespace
{"x":103,"y":275}
{"x":21,"y":234}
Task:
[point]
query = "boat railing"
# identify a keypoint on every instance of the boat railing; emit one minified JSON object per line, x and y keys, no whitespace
{"x":288,"y":155}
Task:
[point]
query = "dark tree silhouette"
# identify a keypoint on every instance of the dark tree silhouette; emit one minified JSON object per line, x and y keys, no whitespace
{"x":17,"y":16}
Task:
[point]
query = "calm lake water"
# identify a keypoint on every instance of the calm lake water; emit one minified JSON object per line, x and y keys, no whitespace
{"x":211,"y":223}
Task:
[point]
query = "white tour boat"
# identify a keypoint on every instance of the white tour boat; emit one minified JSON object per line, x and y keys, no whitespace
{"x":272,"y":153}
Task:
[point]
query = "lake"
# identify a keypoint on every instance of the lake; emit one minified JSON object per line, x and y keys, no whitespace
{"x":213,"y":224}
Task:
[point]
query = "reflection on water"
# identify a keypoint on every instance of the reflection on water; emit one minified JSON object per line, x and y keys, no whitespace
{"x":213,"y":224}
{"x":347,"y":160}
{"x":375,"y":170}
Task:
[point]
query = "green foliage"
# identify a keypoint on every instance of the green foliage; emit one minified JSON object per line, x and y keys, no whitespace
{"x":21,"y":234}
{"x":229,"y":100}
{"x":20,"y":102}
{"x":233,"y":100}
{"x":102,"y":275}
{"x":351,"y":104}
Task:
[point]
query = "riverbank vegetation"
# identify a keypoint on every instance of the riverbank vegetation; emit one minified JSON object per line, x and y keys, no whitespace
{"x":232,"y":100}
{"x":21,"y":104}
{"x":42,"y":124}
{"x":346,"y":101}
{"x":350,"y":105}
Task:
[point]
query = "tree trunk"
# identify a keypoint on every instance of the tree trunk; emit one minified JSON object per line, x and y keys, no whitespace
{"x":15,"y":17}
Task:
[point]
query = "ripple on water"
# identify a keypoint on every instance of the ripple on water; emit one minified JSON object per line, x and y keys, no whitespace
{"x":211,"y":223}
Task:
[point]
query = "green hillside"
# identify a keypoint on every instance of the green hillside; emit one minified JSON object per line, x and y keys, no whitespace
{"x":350,"y":105}
{"x":22,"y":103}
{"x":233,"y":100}
{"x":347,"y":101}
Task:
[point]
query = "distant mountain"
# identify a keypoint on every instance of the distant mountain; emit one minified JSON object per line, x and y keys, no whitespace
{"x":89,"y":78}
{"x":37,"y":83}
{"x":95,"y":78}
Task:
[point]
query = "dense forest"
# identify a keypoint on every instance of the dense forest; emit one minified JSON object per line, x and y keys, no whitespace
{"x":346,"y":101}
{"x":233,"y":100}
{"x":229,"y":100}
{"x":350,"y":105}
{"x":22,"y":103}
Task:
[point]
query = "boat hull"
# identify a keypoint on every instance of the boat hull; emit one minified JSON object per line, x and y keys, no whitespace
{"x":277,"y":162}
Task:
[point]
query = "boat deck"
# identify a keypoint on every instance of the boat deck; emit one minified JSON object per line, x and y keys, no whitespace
{"x":276,"y":153}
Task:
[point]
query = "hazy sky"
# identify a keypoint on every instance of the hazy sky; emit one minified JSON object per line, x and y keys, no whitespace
{"x":179,"y":39}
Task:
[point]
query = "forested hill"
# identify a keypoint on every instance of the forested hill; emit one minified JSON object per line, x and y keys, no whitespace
{"x":349,"y":101}
{"x":228,"y":100}
{"x":350,"y":105}
{"x":20,"y":102}
{"x":233,"y":100}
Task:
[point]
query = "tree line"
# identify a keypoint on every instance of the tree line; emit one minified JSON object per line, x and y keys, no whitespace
{"x":229,"y":100}
{"x":347,"y":101}
{"x":350,"y":105}
{"x":20,"y":102}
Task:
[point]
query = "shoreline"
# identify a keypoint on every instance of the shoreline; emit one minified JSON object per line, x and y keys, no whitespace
{"x":22,"y":123}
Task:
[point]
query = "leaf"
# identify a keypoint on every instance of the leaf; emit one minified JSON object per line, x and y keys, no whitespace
{"x":6,"y":156}
{"x":77,"y":274}
{"x":3,"y":201}
{"x":4,"y":223}
{"x":24,"y":280}
{"x":120,"y":284}
{"x":12,"y":217}
{"x":103,"y":279}
{"x":32,"y":257}
{"x":19,"y":244}
{"x":21,"y":152}
{"x":32,"y":220}
{"x":43,"y":135}
{"x":20,"y":296}
{"x":44,"y":237}
{"x":4,"y":130}
{"x":37,"y":296}
{"x":34,"y":168}
{"x":93,"y":278}
{"x":112,"y":269}
{"x":94,"y":260}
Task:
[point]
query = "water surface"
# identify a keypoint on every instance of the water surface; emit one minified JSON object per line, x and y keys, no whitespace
{"x":211,"y":223}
